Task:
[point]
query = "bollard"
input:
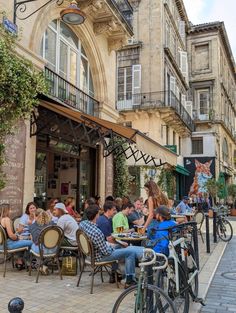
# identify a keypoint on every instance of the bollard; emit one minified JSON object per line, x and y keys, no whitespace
{"x":208,"y":250}
{"x":214,"y":225}
{"x":16,"y":305}
{"x":195,"y":242}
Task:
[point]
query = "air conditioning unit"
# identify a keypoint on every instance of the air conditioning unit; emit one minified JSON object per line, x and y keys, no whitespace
{"x":189,"y":107}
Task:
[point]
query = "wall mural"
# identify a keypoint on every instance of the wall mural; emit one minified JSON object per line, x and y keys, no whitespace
{"x":201,"y":169}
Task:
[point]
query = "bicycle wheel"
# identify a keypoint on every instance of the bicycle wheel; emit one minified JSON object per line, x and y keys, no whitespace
{"x":166,"y":280}
{"x":151,"y":300}
{"x":224,"y":230}
{"x":191,"y":270}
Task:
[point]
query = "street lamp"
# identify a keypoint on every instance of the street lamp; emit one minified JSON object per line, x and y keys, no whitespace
{"x":70,"y":15}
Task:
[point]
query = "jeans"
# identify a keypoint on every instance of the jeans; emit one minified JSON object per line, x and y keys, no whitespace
{"x":130,"y":254}
{"x":46,"y":251}
{"x":16,"y":244}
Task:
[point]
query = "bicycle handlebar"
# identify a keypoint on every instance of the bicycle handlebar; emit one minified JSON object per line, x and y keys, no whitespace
{"x":153,"y":260}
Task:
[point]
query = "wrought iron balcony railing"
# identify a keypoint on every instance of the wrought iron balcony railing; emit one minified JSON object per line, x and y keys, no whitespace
{"x":126,"y":9}
{"x":161,"y":99}
{"x":69,"y":94}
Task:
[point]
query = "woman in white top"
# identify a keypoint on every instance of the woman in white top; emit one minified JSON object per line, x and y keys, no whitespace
{"x":27,"y":219}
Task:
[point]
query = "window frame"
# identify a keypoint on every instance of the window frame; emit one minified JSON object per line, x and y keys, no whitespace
{"x":196,"y":150}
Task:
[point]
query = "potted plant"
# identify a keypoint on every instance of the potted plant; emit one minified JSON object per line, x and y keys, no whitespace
{"x":231,"y":189}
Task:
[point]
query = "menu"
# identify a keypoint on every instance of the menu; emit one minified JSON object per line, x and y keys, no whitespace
{"x":13,"y":168}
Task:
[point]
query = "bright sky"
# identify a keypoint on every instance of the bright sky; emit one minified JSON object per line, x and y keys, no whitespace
{"x":203,"y":11}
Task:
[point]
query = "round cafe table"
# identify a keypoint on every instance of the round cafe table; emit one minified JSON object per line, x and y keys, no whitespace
{"x":188,"y":215}
{"x":129,"y":237}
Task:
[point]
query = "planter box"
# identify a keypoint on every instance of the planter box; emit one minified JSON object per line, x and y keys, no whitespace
{"x":233,"y":212}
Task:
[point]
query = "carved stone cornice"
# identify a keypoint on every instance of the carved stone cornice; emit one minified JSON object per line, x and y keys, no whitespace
{"x":115,"y":44}
{"x":107,"y":27}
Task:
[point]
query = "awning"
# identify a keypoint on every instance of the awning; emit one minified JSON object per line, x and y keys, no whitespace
{"x":182,"y":170}
{"x":135,"y":144}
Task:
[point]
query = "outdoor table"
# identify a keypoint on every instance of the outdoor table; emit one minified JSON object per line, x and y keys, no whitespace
{"x":188,"y":215}
{"x":129,"y":237}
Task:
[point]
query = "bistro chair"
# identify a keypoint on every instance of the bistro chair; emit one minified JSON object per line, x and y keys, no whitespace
{"x":15,"y":223}
{"x":199,"y":219}
{"x":7,"y":253}
{"x":86,"y":247}
{"x":49,"y":238}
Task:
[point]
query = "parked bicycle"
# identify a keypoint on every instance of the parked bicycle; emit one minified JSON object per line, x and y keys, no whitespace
{"x":144,"y":297}
{"x":180,"y":279}
{"x":223,"y":227}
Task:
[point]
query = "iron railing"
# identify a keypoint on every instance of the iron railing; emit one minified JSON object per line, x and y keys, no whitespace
{"x":161,"y":99}
{"x":126,"y":9}
{"x":69,"y":94}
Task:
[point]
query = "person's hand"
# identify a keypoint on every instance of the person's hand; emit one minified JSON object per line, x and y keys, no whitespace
{"x":125,"y":244}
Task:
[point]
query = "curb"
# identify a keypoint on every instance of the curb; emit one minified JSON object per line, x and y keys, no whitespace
{"x":214,"y":259}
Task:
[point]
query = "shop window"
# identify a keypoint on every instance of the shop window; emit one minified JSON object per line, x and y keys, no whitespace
{"x":197,"y":145}
{"x":66,"y":56}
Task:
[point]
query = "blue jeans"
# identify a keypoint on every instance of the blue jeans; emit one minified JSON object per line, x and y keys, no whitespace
{"x":46,"y":251}
{"x":16,"y":244}
{"x":129,"y":254}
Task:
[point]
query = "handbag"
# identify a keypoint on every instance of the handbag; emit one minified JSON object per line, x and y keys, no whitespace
{"x":69,"y":266}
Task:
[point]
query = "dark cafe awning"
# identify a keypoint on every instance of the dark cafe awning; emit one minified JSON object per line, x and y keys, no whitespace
{"x":78,"y":128}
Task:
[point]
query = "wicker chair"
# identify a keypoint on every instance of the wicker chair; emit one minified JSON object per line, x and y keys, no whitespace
{"x":7,"y":253}
{"x":199,"y":219}
{"x":49,"y":238}
{"x":86,"y":247}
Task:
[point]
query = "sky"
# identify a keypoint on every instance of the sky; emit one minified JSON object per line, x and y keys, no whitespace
{"x":203,"y":11}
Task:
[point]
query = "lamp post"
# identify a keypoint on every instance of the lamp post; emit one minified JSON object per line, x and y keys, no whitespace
{"x":70,"y":15}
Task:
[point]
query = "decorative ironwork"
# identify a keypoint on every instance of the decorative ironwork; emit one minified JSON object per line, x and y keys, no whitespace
{"x":20,"y":7}
{"x":54,"y":126}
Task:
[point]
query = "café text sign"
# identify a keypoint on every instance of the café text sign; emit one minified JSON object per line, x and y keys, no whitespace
{"x":14,"y":170}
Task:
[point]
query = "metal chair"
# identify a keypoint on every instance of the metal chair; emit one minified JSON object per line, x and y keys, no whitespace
{"x":86,"y":247}
{"x":7,"y":252}
{"x":49,"y":238}
{"x":199,"y":219}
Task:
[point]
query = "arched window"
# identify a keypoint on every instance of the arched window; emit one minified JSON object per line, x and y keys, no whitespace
{"x":225,"y":150}
{"x":66,"y":56}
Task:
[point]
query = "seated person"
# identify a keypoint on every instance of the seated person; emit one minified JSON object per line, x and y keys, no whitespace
{"x":136,"y":218}
{"x":14,"y":240}
{"x":50,"y":209}
{"x":157,"y":232}
{"x":67,"y":223}
{"x":27,"y":219}
{"x":42,"y":220}
{"x":70,"y":207}
{"x":104,"y":222}
{"x":103,"y":250}
{"x":121,"y":218}
{"x":183,"y":206}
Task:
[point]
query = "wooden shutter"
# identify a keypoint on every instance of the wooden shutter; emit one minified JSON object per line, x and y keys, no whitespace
{"x":184,"y":64}
{"x":136,"y":73}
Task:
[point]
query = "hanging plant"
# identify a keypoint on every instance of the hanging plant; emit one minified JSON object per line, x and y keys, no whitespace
{"x":122,"y":178}
{"x":20,"y":83}
{"x":167,"y":182}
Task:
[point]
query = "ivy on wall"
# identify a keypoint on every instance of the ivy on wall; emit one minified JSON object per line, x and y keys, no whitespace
{"x":20,"y":83}
{"x":122,"y":177}
{"x":167,"y":181}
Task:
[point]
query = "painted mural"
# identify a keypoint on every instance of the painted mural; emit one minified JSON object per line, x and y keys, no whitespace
{"x":201,"y":169}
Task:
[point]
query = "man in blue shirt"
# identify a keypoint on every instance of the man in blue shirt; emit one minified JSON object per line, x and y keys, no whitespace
{"x":158,"y":233}
{"x":183,"y":206}
{"x":104,"y":221}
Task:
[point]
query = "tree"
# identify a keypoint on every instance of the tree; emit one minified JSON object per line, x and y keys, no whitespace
{"x":212,"y":187}
{"x":20,"y":83}
{"x":231,"y":189}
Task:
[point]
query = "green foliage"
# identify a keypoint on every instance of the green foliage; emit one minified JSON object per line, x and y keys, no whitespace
{"x":167,"y":182}
{"x":213,"y":187}
{"x":20,"y":83}
{"x":231,"y":189}
{"x":122,"y":177}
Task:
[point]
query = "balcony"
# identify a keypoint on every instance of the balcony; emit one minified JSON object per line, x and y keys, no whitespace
{"x":171,"y":109}
{"x":126,"y":9}
{"x":63,"y":91}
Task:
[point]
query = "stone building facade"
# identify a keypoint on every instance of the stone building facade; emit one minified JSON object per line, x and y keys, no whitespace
{"x":212,"y":95}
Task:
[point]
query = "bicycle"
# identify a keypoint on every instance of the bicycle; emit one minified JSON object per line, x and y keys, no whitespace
{"x":144,"y":297}
{"x":180,"y":278}
{"x":223,"y":227}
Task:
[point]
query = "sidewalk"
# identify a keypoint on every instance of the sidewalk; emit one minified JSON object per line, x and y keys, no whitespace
{"x":51,"y":295}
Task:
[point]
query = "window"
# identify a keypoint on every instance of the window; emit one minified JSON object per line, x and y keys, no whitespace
{"x":129,"y":85}
{"x":174,"y":138}
{"x":66,"y":56}
{"x":167,"y":135}
{"x":202,"y":57}
{"x":180,"y":143}
{"x":197,"y":145}
{"x":225,"y":151}
{"x":203,"y":104}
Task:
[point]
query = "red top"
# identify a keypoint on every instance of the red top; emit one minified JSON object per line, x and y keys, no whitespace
{"x":71,"y":211}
